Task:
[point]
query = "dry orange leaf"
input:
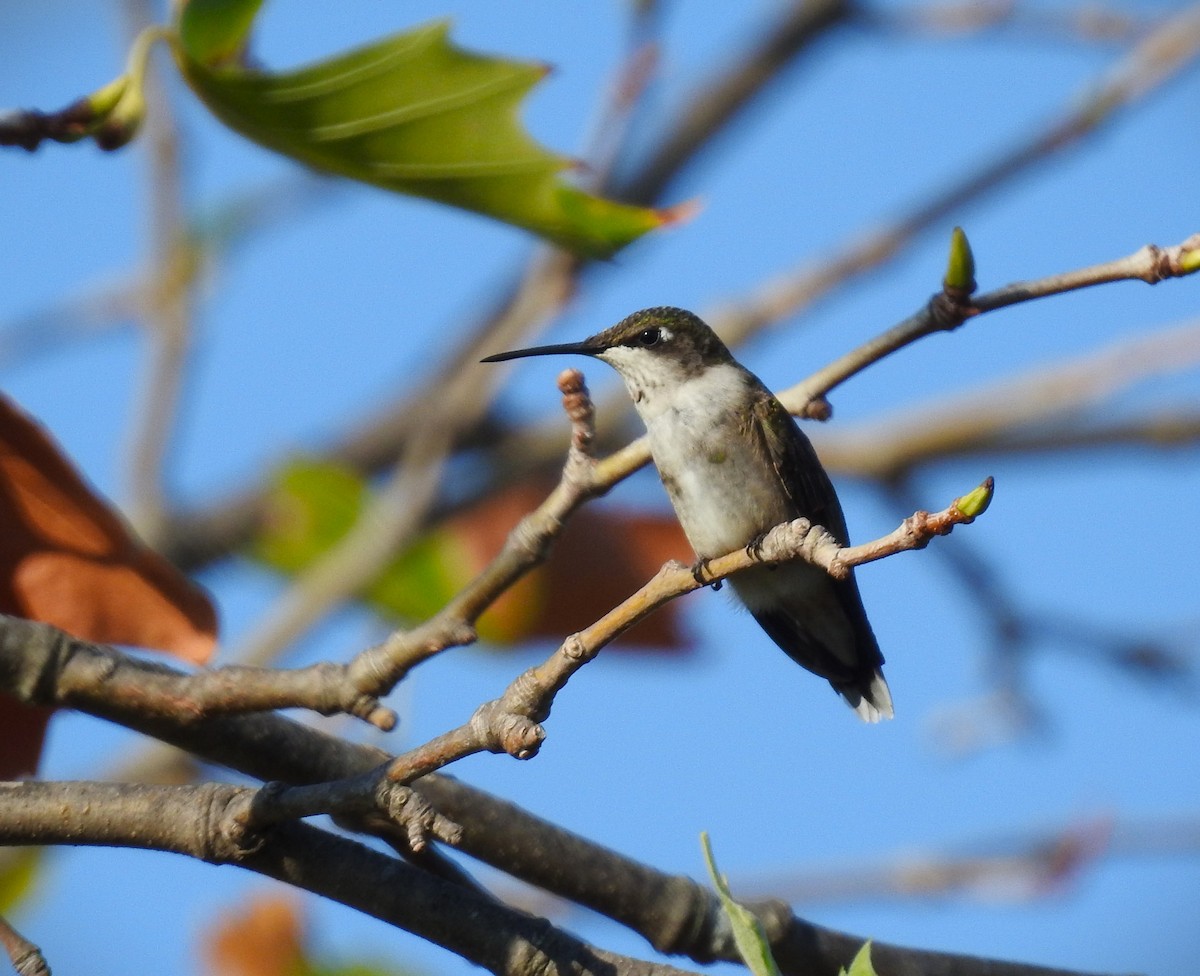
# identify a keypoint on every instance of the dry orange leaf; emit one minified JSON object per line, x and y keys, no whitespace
{"x":68,"y":559}
{"x":262,"y":938}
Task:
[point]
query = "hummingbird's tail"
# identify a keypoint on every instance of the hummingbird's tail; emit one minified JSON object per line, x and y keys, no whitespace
{"x":822,"y":626}
{"x":871,"y":699}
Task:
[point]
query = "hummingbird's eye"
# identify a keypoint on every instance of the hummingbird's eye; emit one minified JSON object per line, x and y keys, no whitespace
{"x":649,"y":337}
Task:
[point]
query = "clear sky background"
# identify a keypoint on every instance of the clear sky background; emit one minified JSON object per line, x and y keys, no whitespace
{"x":352,"y":298}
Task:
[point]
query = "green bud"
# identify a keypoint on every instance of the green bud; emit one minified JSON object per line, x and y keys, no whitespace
{"x":960,"y":269}
{"x":975,"y":503}
{"x":104,"y":100}
{"x":123,"y":120}
{"x":1189,"y":260}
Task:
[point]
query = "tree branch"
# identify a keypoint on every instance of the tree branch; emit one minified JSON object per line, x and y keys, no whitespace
{"x":1007,"y":415}
{"x":209,"y":823}
{"x":39,"y":664}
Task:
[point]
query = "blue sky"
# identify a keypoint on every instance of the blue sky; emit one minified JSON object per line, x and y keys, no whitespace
{"x":313,"y":320}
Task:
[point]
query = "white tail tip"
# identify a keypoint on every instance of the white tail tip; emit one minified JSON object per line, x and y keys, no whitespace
{"x":876,"y":703}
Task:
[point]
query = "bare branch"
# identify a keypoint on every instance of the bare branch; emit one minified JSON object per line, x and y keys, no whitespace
{"x":1089,"y":22}
{"x":510,"y":723}
{"x":449,"y":405}
{"x":674,"y":914}
{"x":169,"y":312}
{"x":718,"y":100}
{"x":366,"y":797}
{"x":1023,"y":866}
{"x":380,"y":668}
{"x":205,"y":822}
{"x":26,"y":958}
{"x":1001,"y":416}
{"x":946,"y":311}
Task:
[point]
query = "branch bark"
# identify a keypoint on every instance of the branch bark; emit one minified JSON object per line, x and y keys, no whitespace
{"x":41,"y":665}
{"x":207,"y":822}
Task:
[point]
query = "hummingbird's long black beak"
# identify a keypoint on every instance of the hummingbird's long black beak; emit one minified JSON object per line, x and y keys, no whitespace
{"x":576,"y":348}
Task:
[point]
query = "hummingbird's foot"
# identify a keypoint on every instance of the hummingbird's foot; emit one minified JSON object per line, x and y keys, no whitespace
{"x":755,"y":546}
{"x":700,"y":574}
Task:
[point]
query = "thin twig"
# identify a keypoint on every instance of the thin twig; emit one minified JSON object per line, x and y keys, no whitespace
{"x":397,"y":511}
{"x":1023,"y":866}
{"x":986,"y":418}
{"x":379,"y":668}
{"x":511,"y":723}
{"x":26,"y":958}
{"x":1156,"y":59}
{"x":168,"y":314}
{"x":1089,"y":22}
{"x":718,"y":100}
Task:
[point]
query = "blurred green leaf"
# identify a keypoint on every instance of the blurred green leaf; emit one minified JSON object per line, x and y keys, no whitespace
{"x":411,"y":113}
{"x":314,"y":504}
{"x":351,"y":969}
{"x":748,"y":934}
{"x":600,"y":559}
{"x":18,"y":875}
{"x":861,"y":965}
{"x":213,"y":31}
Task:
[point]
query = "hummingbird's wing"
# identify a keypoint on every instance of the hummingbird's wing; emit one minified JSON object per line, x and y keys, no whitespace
{"x":801,"y":625}
{"x":800,"y":473}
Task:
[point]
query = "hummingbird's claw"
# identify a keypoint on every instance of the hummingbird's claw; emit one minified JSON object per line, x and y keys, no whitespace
{"x":700,"y":574}
{"x":754,"y":548}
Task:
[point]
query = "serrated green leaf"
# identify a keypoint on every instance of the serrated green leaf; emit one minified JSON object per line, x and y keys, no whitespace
{"x":411,"y":113}
{"x":748,"y":934}
{"x":861,"y":965}
{"x":212,"y":31}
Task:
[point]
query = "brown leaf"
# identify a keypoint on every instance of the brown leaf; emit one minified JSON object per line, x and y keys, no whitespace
{"x":68,"y":559}
{"x":602,"y":557}
{"x":263,"y":938}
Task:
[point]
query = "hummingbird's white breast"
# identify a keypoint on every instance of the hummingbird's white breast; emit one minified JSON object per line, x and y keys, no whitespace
{"x":711,"y":461}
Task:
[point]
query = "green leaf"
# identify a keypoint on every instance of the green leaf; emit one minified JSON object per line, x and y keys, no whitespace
{"x":312,"y":505}
{"x":861,"y":965}
{"x":18,"y":876}
{"x":213,"y":31}
{"x":411,"y":113}
{"x":748,"y":934}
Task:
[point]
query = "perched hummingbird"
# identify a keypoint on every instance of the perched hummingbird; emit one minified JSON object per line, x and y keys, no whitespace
{"x":735,"y":464}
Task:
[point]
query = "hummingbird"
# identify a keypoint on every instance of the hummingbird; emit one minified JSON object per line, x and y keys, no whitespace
{"x":735,"y":464}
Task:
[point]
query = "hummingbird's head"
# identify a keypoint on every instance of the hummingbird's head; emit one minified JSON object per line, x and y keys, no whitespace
{"x":653,"y":348}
